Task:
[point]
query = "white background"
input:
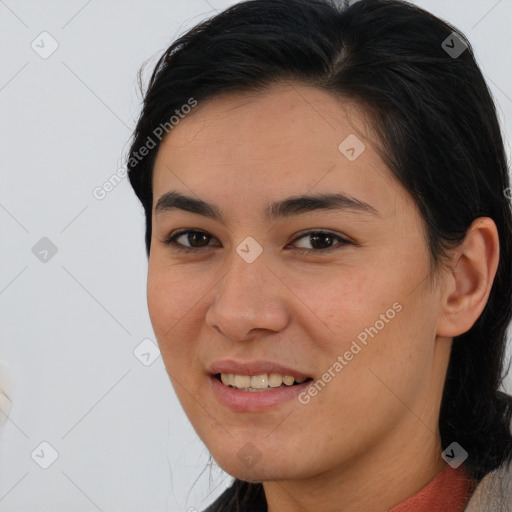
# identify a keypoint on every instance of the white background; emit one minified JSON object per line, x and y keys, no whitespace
{"x":68,"y":327}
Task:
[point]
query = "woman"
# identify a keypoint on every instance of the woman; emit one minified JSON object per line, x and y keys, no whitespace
{"x":361,"y":374}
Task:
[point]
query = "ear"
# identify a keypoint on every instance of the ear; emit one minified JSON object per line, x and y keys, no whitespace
{"x":468,"y":282}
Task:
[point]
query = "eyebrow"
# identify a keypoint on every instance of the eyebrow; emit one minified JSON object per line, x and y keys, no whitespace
{"x":294,"y":205}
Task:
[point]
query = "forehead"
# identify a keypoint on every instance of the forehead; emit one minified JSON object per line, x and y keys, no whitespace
{"x":289,"y":139}
{"x":284,"y":115}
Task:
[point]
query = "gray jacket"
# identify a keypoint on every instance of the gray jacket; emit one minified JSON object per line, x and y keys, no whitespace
{"x":493,"y":493}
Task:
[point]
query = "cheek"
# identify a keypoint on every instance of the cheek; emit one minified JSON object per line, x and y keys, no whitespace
{"x":379,"y":328}
{"x":336,"y":307}
{"x":172,"y":294}
{"x":166,"y":305}
{"x":161,"y":307}
{"x":176,"y":304}
{"x":388,"y":369}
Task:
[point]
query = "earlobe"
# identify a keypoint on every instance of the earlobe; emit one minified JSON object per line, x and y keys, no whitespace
{"x":469,"y":284}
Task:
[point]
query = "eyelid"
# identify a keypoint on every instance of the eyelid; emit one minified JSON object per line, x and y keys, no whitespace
{"x":342,"y":240}
{"x":323,"y":231}
{"x":170,"y":240}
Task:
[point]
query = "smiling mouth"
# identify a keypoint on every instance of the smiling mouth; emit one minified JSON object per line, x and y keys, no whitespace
{"x":263,"y":382}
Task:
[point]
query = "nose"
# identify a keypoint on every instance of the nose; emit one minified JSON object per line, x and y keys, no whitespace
{"x":251,"y":300}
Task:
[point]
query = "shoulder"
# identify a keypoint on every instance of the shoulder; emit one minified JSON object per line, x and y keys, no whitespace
{"x":494,"y":492}
{"x":240,"y":497}
{"x":222,"y":503}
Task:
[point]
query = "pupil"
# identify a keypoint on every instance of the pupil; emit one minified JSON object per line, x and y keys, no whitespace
{"x":194,"y":234}
{"x":314,"y":239}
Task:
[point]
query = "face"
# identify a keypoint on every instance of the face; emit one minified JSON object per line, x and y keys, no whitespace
{"x":276,"y":286}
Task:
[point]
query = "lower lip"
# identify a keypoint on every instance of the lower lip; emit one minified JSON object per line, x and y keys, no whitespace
{"x":255,"y":401}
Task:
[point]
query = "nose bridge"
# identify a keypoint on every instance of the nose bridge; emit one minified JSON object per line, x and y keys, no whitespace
{"x":246,"y":281}
{"x":247,"y":298}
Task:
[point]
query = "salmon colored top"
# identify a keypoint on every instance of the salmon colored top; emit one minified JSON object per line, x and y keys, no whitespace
{"x":449,"y":491}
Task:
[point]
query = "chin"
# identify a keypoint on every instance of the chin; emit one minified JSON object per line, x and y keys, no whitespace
{"x":255,"y":468}
{"x":255,"y":475}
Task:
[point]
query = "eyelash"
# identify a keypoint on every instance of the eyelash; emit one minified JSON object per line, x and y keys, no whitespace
{"x":171,"y":241}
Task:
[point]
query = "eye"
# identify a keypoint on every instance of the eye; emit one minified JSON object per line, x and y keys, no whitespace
{"x":322,"y":238}
{"x":322,"y":241}
{"x":192,"y":236}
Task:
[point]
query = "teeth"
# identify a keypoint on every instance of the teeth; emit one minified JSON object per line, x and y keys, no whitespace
{"x":288,"y":380}
{"x":226,"y":378}
{"x":242,"y":381}
{"x":275,"y":380}
{"x":259,"y":382}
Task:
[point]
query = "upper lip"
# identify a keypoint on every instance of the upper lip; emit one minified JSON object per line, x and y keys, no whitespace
{"x":256,"y":367}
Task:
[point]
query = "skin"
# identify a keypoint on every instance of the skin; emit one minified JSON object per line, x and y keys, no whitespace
{"x":369,"y":439}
